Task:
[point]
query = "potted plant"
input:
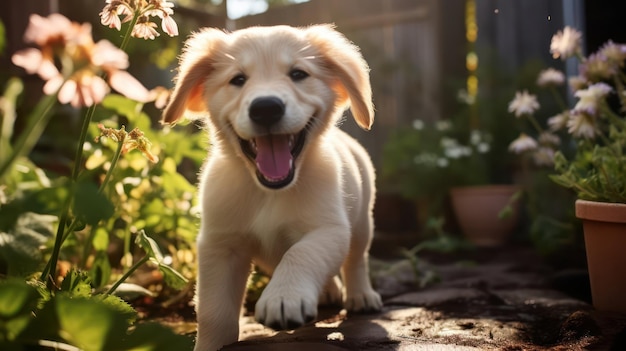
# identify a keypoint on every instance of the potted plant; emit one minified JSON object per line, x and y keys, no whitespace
{"x":596,"y":169}
{"x":450,"y":164}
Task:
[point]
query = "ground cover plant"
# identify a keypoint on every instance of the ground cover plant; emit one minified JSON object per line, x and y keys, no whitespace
{"x":75,"y":227}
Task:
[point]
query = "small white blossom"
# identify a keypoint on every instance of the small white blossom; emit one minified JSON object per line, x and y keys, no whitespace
{"x":443,"y":162}
{"x":550,"y":77}
{"x":544,"y":156}
{"x":577,"y":83}
{"x":559,"y":121}
{"x":443,"y":125}
{"x":483,"y":148}
{"x":522,"y":144}
{"x":549,"y":139}
{"x":591,"y":97}
{"x":566,"y":43}
{"x":582,"y":125}
{"x":418,"y":124}
{"x":523,"y":104}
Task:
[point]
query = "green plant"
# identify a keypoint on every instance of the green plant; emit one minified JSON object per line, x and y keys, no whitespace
{"x":58,"y":226}
{"x":596,"y":168}
{"x":425,"y":161}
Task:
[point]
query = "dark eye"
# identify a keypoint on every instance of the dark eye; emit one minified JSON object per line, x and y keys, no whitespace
{"x":238,"y":80}
{"x":297,"y":75}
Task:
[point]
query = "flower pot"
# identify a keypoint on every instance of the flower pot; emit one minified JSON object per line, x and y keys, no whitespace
{"x":604,"y":226}
{"x":477,"y":209}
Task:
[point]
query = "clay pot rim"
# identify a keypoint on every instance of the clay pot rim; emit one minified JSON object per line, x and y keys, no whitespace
{"x":601,"y":211}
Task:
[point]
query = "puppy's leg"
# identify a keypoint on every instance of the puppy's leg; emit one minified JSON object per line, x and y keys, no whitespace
{"x":360,"y":296}
{"x":332,"y":295}
{"x":222,"y":275}
{"x":291,"y":297}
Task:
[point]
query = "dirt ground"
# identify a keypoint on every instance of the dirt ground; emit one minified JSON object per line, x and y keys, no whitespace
{"x":492,"y":299}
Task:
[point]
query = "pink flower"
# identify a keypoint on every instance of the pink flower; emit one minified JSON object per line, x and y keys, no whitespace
{"x":143,"y":10}
{"x":83,"y":63}
{"x":614,"y":53}
{"x":597,"y":67}
{"x":111,"y":12}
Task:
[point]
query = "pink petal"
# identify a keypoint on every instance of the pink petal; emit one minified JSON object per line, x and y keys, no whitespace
{"x":30,"y":59}
{"x":53,"y":85}
{"x":124,"y":83}
{"x":68,"y":91}
{"x":169,"y":26}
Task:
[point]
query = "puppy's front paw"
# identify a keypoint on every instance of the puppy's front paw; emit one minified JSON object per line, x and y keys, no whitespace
{"x":285,"y":310}
{"x":366,"y":301}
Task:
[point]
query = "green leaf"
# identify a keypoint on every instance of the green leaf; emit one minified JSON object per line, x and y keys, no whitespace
{"x":100,"y":271}
{"x":149,"y":245}
{"x":90,"y":205}
{"x":122,"y":105}
{"x":156,"y":337}
{"x":88,"y":323}
{"x":76,"y":284}
{"x":172,"y":277}
{"x":20,"y":247}
{"x":17,"y":302}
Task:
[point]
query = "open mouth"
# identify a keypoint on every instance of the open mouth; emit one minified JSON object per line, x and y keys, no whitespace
{"x":274,"y":156}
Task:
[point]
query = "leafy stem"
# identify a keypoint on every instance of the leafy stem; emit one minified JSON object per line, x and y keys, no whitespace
{"x":127,"y":274}
{"x":37,"y":123}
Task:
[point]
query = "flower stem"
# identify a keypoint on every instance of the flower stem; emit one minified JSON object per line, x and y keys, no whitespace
{"x":129,"y":31}
{"x":127,"y":274}
{"x":535,"y":124}
{"x":37,"y":123}
{"x":114,"y":161}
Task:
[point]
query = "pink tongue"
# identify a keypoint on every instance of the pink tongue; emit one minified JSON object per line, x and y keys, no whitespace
{"x":273,"y":156}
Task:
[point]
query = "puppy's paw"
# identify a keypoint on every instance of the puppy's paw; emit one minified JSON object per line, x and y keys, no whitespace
{"x":366,"y":301}
{"x":285,"y":310}
{"x":332,"y":294}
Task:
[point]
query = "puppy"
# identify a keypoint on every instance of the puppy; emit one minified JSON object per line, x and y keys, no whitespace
{"x":282,"y":187}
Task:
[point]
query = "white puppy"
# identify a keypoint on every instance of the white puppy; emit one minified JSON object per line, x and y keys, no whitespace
{"x":282,"y":187}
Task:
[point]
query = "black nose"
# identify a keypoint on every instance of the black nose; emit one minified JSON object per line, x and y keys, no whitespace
{"x":266,"y":110}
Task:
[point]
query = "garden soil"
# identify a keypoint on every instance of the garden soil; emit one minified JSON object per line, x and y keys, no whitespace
{"x":490,"y":299}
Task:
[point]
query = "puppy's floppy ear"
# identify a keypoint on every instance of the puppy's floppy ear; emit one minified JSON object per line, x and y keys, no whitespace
{"x":195,"y":66}
{"x":346,"y":63}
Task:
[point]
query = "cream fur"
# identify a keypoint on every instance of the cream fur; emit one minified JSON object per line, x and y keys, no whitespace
{"x":307,"y":232}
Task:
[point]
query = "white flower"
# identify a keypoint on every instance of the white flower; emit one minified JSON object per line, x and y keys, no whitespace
{"x":522,"y":144}
{"x":443,"y":125}
{"x":483,"y":148}
{"x":549,"y":77}
{"x":566,"y":43}
{"x":582,"y":125}
{"x":475,"y":137}
{"x":418,"y":124}
{"x":577,"y":83}
{"x":523,"y":104}
{"x":591,"y":97}
{"x":544,"y":156}
{"x":547,"y":138}
{"x":442,"y":162}
{"x":447,"y":142}
{"x":559,"y":121}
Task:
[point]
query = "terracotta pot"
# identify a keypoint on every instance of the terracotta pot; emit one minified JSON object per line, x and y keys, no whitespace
{"x":604,"y":226}
{"x":477,"y":208}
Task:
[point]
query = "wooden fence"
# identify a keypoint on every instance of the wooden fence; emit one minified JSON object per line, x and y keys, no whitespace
{"x":414,"y":49}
